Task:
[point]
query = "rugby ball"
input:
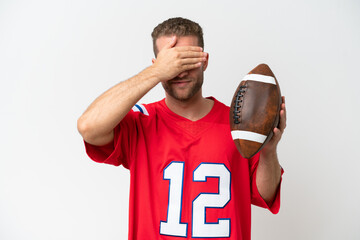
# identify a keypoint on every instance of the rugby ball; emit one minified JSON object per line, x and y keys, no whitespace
{"x":255,"y":110}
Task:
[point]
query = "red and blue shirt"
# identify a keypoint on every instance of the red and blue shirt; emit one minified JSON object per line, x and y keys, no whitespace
{"x":188,"y":179}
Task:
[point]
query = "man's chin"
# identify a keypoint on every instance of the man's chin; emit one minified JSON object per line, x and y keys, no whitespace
{"x":181,"y":98}
{"x":182,"y":95}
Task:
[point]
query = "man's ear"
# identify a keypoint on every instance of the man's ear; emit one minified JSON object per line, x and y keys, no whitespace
{"x":205,"y":64}
{"x":153,"y":60}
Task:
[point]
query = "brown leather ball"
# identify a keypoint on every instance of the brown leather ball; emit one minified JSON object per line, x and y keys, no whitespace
{"x":255,"y":110}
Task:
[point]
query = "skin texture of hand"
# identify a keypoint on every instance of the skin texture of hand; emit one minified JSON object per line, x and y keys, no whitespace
{"x":269,"y":170}
{"x":172,"y":61}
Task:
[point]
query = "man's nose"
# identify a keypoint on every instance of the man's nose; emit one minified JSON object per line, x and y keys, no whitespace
{"x":183,"y":74}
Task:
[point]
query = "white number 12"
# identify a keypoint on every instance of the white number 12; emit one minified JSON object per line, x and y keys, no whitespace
{"x":174,"y":172}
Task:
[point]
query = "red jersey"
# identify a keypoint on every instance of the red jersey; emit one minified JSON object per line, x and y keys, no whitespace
{"x":188,"y":180}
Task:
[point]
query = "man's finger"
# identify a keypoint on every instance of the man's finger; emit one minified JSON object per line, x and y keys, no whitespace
{"x":192,"y":60}
{"x":282,"y":124}
{"x":171,"y":43}
{"x":185,"y":55}
{"x":189,"y":48}
{"x":277,"y":135}
{"x":191,"y":66}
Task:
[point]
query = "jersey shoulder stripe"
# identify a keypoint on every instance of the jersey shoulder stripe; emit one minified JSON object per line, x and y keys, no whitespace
{"x":140,"y":108}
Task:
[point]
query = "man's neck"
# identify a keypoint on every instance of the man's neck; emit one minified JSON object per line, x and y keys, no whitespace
{"x":193,"y":109}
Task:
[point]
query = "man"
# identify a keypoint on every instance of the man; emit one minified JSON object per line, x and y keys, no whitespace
{"x":187,"y":178}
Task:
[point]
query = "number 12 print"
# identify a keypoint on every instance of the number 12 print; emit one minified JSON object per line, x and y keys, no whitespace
{"x":173,"y":226}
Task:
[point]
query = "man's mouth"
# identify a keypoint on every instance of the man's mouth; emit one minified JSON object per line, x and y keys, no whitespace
{"x":179,"y":81}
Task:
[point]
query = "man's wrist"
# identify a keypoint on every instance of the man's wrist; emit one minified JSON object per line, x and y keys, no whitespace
{"x":269,"y":153}
{"x":152,"y":74}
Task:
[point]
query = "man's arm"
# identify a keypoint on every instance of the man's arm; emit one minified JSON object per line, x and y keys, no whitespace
{"x":96,"y":124}
{"x":269,"y":170}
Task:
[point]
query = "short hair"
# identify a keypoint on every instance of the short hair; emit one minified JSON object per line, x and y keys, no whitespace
{"x":177,"y":26}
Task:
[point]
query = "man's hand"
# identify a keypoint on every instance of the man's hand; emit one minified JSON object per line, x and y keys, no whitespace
{"x":269,"y":170}
{"x":271,"y":146}
{"x":171,"y":60}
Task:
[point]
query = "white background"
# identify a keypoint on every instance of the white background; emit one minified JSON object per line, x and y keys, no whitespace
{"x":58,"y":56}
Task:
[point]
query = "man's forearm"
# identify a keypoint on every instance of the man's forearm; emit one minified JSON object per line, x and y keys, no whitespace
{"x":98,"y":121}
{"x":268,"y":175}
